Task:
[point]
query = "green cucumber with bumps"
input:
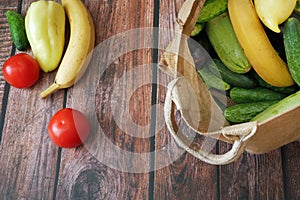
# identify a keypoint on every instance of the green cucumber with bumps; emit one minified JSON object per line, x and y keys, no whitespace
{"x":243,"y":95}
{"x":16,"y":23}
{"x":235,"y":79}
{"x":291,"y":40}
{"x":211,"y":9}
{"x":239,"y":113}
{"x":224,"y":41}
{"x":288,"y":103}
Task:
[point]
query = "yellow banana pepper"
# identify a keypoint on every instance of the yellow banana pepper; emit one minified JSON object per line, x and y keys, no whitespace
{"x":274,"y":12}
{"x":45,"y":29}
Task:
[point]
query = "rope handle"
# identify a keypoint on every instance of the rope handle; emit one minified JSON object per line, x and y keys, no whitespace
{"x":238,"y":134}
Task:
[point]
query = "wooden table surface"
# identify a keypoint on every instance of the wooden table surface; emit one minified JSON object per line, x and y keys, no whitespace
{"x":32,"y":167}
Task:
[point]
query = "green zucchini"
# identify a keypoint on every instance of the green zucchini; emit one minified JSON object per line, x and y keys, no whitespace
{"x":212,"y":81}
{"x":262,"y":83}
{"x":242,"y":95}
{"x":224,"y":41}
{"x":239,"y":113}
{"x":288,"y":103}
{"x":235,"y":79}
{"x":211,"y":9}
{"x":16,"y":23}
{"x":291,"y":40}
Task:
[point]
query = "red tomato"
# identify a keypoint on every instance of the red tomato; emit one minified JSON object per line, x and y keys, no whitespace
{"x":68,"y":128}
{"x":21,"y":70}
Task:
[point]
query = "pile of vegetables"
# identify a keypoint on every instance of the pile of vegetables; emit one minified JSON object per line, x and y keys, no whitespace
{"x":255,"y":48}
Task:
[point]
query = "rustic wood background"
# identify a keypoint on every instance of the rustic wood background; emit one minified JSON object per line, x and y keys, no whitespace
{"x":32,"y":167}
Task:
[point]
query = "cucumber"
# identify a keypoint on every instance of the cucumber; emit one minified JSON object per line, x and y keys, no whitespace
{"x":224,"y":41}
{"x":16,"y":23}
{"x":262,"y":83}
{"x":235,"y":79}
{"x":211,"y":9}
{"x":288,"y":103}
{"x":239,"y":113}
{"x":242,"y":95}
{"x":212,"y":81}
{"x":291,"y":40}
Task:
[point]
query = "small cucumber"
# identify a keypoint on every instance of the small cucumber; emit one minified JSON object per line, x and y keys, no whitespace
{"x":242,"y":95}
{"x":288,"y":103}
{"x":262,"y":83}
{"x":211,"y":9}
{"x":212,"y":81}
{"x":235,"y":79}
{"x":16,"y":23}
{"x":224,"y":41}
{"x":239,"y":113}
{"x":291,"y":39}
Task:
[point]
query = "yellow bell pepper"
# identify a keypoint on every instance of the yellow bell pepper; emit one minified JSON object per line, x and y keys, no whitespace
{"x":45,"y":29}
{"x":274,"y":12}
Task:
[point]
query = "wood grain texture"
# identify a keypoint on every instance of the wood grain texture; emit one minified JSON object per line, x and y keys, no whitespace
{"x":252,"y":177}
{"x":291,"y":170}
{"x":125,"y":108}
{"x":183,"y":177}
{"x":28,"y":157}
{"x":6,"y":46}
{"x":124,"y":87}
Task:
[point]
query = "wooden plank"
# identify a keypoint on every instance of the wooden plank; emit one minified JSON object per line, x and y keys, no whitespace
{"x":291,"y":170}
{"x":28,"y":158}
{"x":178,"y":175}
{"x":6,"y":41}
{"x":252,"y":176}
{"x":106,"y":173}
